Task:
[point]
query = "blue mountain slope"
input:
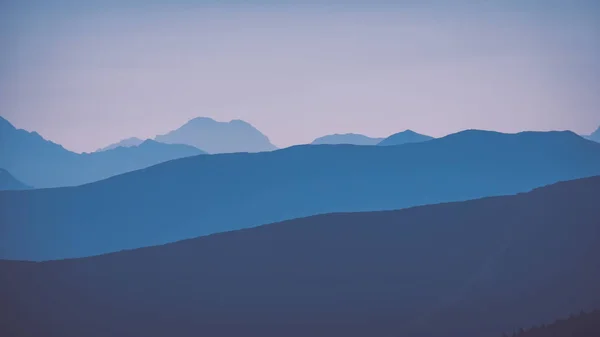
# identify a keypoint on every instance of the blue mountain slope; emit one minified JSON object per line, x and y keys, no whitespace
{"x":404,"y":137}
{"x":469,"y":269}
{"x":207,"y":194}
{"x":129,"y":142}
{"x":41,"y":163}
{"x":219,"y":137}
{"x":348,"y":138}
{"x":595,"y":136}
{"x":8,"y":182}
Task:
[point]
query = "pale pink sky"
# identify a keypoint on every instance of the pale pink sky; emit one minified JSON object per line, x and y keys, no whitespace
{"x":90,"y":76}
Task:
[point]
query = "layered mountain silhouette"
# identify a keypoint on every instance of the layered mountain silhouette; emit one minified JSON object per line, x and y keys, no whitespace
{"x":595,"y":136}
{"x":40,"y":163}
{"x":200,"y":195}
{"x":129,"y":142}
{"x":219,"y":137}
{"x":8,"y":182}
{"x":467,"y":269}
{"x":404,"y":137}
{"x":347,"y":138}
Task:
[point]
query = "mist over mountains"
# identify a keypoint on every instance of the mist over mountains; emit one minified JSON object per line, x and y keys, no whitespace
{"x":299,"y":169}
{"x":350,"y":235}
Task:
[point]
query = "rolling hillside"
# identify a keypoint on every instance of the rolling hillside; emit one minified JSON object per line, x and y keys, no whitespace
{"x":470,"y":269}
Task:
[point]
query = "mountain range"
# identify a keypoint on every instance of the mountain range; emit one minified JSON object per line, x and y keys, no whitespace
{"x":404,"y":137}
{"x":40,"y":163}
{"x":471,"y":269}
{"x":347,"y":138}
{"x":218,"y":137}
{"x":201,"y":195}
{"x":8,"y":182}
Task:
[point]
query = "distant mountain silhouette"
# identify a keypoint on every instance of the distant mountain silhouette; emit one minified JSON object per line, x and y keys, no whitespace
{"x":206,"y":194}
{"x":348,"y":138}
{"x":404,"y":137}
{"x":219,"y":137}
{"x":467,"y":269}
{"x":129,"y":142}
{"x":595,"y":136}
{"x":41,"y":163}
{"x":580,"y":325}
{"x":8,"y":182}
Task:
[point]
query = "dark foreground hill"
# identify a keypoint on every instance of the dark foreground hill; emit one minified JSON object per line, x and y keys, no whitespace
{"x":207,"y":194}
{"x":41,"y":163}
{"x":581,"y":325}
{"x":8,"y":182}
{"x":474,"y":268}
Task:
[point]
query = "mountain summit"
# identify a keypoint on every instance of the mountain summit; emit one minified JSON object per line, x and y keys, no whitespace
{"x":347,"y":138}
{"x":404,"y":137}
{"x":219,"y":137}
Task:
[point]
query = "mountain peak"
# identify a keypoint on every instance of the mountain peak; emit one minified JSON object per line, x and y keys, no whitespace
{"x":404,"y":137}
{"x":239,"y":121}
{"x":201,"y":120}
{"x":218,"y":137}
{"x":347,"y":138}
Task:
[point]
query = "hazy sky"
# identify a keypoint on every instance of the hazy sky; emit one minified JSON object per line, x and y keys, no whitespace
{"x":88,"y":73}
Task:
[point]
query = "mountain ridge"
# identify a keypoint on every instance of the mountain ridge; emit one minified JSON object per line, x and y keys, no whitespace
{"x":192,"y":196}
{"x":23,"y":153}
{"x":128,"y":142}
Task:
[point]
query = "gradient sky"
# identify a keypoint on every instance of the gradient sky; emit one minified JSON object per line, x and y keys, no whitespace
{"x":88,"y":73}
